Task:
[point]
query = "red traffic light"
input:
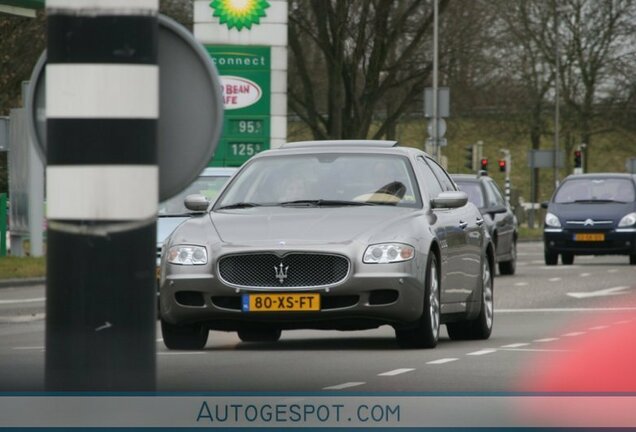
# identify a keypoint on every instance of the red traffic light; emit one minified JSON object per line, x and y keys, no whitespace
{"x":484,"y":164}
{"x":577,"y":159}
{"x":502,"y":165}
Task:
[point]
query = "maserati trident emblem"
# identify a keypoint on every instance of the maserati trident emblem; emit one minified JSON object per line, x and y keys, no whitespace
{"x":588,"y":222}
{"x":281,"y":272}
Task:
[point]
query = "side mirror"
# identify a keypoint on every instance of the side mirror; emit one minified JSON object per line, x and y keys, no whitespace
{"x":497,"y":209}
{"x":452,"y":199}
{"x":196,"y":203}
{"x":544,"y":204}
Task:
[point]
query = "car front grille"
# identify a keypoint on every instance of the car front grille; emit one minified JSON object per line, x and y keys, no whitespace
{"x":291,"y":270}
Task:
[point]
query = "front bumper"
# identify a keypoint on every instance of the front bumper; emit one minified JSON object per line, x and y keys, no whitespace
{"x":616,"y":241}
{"x":370,"y":296}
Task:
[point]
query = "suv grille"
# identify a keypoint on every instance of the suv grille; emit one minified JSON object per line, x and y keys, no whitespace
{"x":298,"y":270}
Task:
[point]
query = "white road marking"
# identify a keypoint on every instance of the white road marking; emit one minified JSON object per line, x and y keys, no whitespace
{"x":612,"y":270}
{"x":545,"y":340}
{"x":600,"y":293}
{"x":556,"y":279}
{"x":29,"y":348}
{"x":602,"y":309}
{"x":534,"y":350}
{"x":396,"y":372}
{"x":180,"y":352}
{"x":160,"y":340}
{"x":623,"y":322}
{"x":574,"y":334}
{"x":344,"y":386}
{"x":442,"y":361}
{"x":567,"y":267}
{"x":584,"y":274}
{"x":521,"y":284}
{"x":515,"y":345}
{"x":105,"y":326}
{"x":17,"y":301}
{"x":482,"y":352}
{"x":601,"y":327}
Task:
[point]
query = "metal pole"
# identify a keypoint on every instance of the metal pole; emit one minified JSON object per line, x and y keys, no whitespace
{"x":556,"y":94}
{"x":3,"y":224}
{"x":102,"y":190}
{"x":437,"y":147}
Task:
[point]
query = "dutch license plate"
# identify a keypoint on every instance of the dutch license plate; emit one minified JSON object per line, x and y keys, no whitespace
{"x":589,"y":237}
{"x":281,"y":302}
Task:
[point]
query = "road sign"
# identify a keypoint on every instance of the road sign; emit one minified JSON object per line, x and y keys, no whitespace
{"x":441,"y":127}
{"x":545,"y":158}
{"x":443,"y":99}
{"x":191,"y":108}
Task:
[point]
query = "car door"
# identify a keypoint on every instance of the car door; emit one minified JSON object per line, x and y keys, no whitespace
{"x":463,"y":255}
{"x":504,"y":222}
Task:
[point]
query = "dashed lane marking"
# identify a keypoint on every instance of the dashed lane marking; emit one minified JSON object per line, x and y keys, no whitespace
{"x":623,"y":322}
{"x":601,"y":327}
{"x":546,"y":340}
{"x":584,"y":274}
{"x":482,"y":352}
{"x":25,"y":348}
{"x":442,"y":361}
{"x":573,"y":334}
{"x":521,"y":284}
{"x":612,"y":270}
{"x":534,"y":350}
{"x":602,"y":309}
{"x":515,"y":345}
{"x":555,"y":279}
{"x":170,"y":353}
{"x":396,"y":372}
{"x":18,"y":301}
{"x":344,"y":386}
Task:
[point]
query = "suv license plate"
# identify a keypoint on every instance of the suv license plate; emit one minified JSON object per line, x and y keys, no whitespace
{"x":281,"y":302}
{"x":589,"y":237}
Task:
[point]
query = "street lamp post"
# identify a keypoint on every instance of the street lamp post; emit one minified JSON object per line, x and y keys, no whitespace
{"x":557,"y":62}
{"x":435,"y":133}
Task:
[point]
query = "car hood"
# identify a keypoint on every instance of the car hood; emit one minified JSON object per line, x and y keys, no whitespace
{"x":316,"y":225}
{"x":166,"y":225}
{"x":598,"y":211}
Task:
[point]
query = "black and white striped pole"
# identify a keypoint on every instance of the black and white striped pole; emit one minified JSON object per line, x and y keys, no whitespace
{"x":102,"y":96}
{"x":508,"y":164}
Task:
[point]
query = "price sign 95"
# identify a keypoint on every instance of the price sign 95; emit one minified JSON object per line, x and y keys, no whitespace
{"x":246,"y":127}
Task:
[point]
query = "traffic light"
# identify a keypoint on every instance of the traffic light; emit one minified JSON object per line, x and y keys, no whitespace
{"x":470,"y":157}
{"x":577,"y":159}
{"x":484,"y":164}
{"x":502,"y":165}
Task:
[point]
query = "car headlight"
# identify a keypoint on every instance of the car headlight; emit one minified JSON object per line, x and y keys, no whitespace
{"x":388,"y":253}
{"x":187,"y":255}
{"x":628,"y":220}
{"x":552,"y":221}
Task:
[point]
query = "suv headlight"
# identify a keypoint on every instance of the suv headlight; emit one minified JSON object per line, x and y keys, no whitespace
{"x":187,"y":255}
{"x":552,"y":221}
{"x":388,"y":253}
{"x":628,"y":220}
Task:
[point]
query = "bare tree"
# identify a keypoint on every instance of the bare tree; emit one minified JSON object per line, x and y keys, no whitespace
{"x":351,"y":59}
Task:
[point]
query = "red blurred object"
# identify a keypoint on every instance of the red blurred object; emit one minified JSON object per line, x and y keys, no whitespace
{"x":502,"y":165}
{"x":484,"y":164}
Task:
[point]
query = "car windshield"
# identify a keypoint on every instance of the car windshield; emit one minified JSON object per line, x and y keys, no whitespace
{"x":208,"y":186}
{"x":323,"y":180}
{"x":473,"y":190}
{"x":595,"y":190}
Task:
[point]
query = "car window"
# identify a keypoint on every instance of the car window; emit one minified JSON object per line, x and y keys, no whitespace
{"x":431,"y":182}
{"x":595,"y":189}
{"x":495,"y":196}
{"x":208,"y":186}
{"x":444,"y":179}
{"x":474,"y":191}
{"x":378,"y":179}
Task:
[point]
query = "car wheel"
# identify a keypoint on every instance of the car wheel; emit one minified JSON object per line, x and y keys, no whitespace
{"x":509,"y":267}
{"x":481,"y":327}
{"x":184,"y":337}
{"x":260,"y":335}
{"x":632,"y":259}
{"x":426,"y":334}
{"x":551,"y":258}
{"x":567,"y":258}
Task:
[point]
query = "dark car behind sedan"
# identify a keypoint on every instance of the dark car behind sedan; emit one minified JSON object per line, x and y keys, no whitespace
{"x":499,"y":218}
{"x":591,"y":214}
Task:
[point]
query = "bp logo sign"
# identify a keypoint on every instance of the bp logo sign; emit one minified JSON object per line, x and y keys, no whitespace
{"x":239,"y":13}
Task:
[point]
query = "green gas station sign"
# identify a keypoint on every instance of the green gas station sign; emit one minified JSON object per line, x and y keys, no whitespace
{"x":245,"y":73}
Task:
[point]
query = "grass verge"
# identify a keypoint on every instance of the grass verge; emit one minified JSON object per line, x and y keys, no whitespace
{"x":22,"y":267}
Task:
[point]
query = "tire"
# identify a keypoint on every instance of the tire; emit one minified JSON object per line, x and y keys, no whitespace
{"x":632,"y":259}
{"x":509,"y":267}
{"x":551,"y":258}
{"x":185,"y":337}
{"x":481,"y":327}
{"x":567,"y":258}
{"x":261,"y":335}
{"x":426,"y":333}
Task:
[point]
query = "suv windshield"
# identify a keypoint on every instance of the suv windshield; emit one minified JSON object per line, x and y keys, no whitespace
{"x":595,"y":190}
{"x":323,"y":179}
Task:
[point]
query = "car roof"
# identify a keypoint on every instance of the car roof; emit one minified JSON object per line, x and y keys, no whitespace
{"x":599,"y":175}
{"x":218,"y":171}
{"x":342,"y":146}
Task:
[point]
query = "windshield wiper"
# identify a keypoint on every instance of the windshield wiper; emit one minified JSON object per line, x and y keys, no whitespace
{"x":324,"y":202}
{"x":239,"y":205}
{"x":596,"y":201}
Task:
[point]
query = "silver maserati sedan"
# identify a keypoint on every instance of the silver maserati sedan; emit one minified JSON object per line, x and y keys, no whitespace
{"x":345,"y":235}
